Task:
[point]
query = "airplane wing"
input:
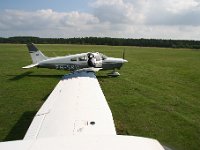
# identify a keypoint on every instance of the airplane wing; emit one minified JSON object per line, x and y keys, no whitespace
{"x":90,"y":69}
{"x":30,"y":66}
{"x":76,"y":116}
{"x":76,"y":106}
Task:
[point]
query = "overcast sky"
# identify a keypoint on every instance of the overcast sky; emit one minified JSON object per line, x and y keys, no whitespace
{"x":166,"y":19}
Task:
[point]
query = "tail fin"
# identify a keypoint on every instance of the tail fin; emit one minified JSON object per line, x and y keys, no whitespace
{"x":36,"y":54}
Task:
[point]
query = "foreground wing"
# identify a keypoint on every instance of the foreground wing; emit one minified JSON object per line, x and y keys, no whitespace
{"x":76,"y":106}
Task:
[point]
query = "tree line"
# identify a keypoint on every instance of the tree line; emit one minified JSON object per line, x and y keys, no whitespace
{"x":105,"y":41}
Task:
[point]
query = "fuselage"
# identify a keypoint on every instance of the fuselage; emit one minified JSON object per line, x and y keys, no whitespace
{"x":80,"y":61}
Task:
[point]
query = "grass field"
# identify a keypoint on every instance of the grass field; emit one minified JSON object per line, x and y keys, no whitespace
{"x":157,"y":94}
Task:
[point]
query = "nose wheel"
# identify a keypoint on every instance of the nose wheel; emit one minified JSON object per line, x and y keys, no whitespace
{"x":114,"y":73}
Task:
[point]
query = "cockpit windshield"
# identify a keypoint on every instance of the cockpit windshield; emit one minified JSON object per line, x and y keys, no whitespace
{"x":103,"y":56}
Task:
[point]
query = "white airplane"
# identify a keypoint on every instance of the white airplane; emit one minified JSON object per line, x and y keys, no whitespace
{"x":76,"y":116}
{"x":95,"y":60}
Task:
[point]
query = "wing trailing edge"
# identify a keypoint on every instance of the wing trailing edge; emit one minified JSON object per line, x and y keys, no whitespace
{"x":88,"y":142}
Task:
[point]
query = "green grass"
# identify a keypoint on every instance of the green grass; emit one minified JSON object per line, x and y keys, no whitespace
{"x":157,"y":94}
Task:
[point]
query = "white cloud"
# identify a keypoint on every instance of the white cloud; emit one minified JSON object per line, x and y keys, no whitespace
{"x":177,"y":6}
{"x":157,"y":12}
{"x":116,"y":18}
{"x":171,"y":12}
{"x":116,"y":11}
{"x":44,"y":19}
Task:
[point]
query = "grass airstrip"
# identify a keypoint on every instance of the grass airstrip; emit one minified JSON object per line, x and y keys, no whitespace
{"x":156,"y":96}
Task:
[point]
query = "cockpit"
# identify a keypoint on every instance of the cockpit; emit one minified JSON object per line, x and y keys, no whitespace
{"x":97,"y":56}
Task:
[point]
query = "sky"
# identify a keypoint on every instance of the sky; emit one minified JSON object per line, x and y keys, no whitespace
{"x":158,"y":19}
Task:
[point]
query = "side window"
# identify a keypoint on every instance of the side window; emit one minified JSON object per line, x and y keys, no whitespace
{"x":98,"y":58}
{"x":74,"y":59}
{"x":103,"y":57}
{"x":83,"y":58}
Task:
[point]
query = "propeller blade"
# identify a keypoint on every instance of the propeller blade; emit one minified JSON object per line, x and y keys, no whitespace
{"x":124,"y":54}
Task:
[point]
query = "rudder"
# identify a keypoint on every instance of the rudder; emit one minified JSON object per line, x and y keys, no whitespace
{"x":36,"y":54}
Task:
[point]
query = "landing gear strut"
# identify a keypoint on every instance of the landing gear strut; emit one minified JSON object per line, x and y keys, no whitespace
{"x":114,"y":73}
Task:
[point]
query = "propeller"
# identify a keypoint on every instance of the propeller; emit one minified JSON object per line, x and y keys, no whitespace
{"x":123,"y":56}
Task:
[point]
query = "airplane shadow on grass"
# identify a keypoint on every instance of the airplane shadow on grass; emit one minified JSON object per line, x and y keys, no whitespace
{"x":103,"y":77}
{"x":20,"y":128}
{"x":29,"y":74}
{"x":20,"y":76}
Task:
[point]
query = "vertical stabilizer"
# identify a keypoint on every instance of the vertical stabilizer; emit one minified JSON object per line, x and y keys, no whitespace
{"x":36,"y":54}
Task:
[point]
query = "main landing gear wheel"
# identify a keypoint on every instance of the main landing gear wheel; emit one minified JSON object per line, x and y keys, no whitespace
{"x":114,"y":74}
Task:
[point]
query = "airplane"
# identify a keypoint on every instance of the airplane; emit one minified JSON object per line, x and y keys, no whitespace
{"x":76,"y":116}
{"x":94,"y":60}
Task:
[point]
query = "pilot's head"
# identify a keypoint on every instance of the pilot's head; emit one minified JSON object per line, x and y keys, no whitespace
{"x":90,"y":55}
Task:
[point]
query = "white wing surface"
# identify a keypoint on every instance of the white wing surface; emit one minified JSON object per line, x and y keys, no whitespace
{"x":76,"y":106}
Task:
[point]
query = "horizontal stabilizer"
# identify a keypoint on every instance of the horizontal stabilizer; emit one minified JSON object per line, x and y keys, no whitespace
{"x":30,"y":66}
